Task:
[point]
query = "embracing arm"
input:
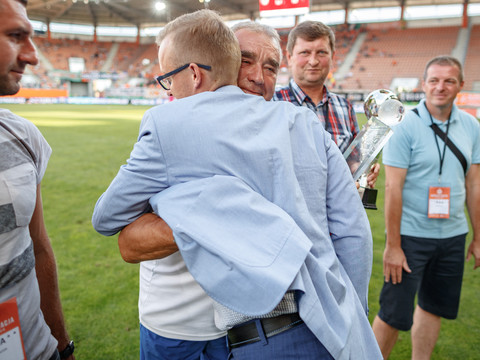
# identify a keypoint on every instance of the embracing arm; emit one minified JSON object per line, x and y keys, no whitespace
{"x":46,"y":270}
{"x":144,"y":175}
{"x":147,"y":238}
{"x":472,"y":184}
{"x":394,"y":260}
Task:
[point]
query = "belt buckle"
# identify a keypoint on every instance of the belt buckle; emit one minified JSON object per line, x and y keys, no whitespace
{"x":248,"y":333}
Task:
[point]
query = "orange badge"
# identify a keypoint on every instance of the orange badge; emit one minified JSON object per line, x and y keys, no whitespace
{"x":11,"y":342}
{"x":439,"y":202}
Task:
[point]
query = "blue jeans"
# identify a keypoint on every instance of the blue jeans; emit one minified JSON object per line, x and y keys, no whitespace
{"x":298,"y":343}
{"x":156,"y":347}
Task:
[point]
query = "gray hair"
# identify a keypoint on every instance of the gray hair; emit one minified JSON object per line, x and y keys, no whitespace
{"x":261,"y":29}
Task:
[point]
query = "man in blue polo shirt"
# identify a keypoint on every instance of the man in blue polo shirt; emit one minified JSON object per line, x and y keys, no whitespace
{"x":426,"y":187}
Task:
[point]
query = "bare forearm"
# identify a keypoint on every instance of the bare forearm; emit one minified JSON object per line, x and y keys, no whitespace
{"x":472,"y":184}
{"x":147,"y":238}
{"x":50,"y":304}
{"x":393,"y":215}
{"x":474,"y":214}
{"x":394,"y":260}
{"x":46,"y":270}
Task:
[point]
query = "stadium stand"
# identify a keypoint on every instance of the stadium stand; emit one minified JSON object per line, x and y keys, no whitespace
{"x":345,"y":37}
{"x":472,"y":61}
{"x":59,"y":51}
{"x":386,"y":51}
{"x":129,"y":57}
{"x":390,"y":53}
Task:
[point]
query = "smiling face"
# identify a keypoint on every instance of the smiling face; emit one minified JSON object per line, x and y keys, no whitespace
{"x":310,"y":61}
{"x":441,"y":86}
{"x":16,"y":45}
{"x":260,"y":63}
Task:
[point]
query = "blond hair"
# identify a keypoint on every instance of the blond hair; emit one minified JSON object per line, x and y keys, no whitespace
{"x":202,"y":37}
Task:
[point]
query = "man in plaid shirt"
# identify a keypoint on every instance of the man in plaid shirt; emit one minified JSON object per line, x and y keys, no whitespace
{"x":310,"y":51}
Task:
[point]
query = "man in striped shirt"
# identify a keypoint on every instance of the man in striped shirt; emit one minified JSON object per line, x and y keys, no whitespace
{"x":310,"y":51}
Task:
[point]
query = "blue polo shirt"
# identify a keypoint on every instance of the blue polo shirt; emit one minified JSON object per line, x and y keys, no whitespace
{"x":413,"y":147}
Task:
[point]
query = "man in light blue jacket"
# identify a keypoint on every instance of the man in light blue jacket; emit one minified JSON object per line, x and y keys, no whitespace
{"x":249,"y":188}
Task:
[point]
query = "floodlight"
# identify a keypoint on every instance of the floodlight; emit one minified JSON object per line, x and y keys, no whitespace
{"x":160,"y":5}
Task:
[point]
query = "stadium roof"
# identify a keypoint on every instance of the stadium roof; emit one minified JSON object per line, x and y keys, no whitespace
{"x":142,"y":13}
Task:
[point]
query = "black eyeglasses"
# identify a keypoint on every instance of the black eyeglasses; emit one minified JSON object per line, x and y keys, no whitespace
{"x":166,"y":82}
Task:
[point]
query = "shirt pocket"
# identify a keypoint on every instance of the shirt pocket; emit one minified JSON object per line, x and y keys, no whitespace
{"x":23,"y":196}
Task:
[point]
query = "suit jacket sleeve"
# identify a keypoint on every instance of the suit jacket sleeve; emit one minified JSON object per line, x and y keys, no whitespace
{"x":144,"y":175}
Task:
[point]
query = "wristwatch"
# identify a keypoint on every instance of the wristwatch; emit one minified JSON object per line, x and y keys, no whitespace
{"x":65,"y":353}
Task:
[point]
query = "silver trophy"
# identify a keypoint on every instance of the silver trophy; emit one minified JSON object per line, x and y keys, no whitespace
{"x":383,"y":110}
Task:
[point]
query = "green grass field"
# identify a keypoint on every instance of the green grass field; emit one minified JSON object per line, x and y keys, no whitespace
{"x":99,"y":291}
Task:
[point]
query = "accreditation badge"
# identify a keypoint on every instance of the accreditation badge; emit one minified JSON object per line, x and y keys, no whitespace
{"x":11,"y":342}
{"x":439,"y":202}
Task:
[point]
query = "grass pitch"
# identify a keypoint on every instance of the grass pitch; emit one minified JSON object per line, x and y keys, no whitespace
{"x":99,"y":291}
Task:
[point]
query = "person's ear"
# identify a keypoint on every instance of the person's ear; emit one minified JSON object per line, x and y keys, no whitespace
{"x":288,"y":57}
{"x":197,"y":75}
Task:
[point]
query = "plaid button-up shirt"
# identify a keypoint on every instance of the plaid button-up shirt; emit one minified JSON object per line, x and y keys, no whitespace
{"x":334,"y":112}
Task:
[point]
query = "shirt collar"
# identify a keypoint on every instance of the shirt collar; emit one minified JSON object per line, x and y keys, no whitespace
{"x":454,"y":116}
{"x":302,"y":97}
{"x":229,"y":89}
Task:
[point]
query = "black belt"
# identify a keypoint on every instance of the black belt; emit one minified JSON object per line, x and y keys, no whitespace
{"x":246,"y":334}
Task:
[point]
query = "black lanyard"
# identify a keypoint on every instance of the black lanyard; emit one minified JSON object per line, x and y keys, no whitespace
{"x":440,"y":155}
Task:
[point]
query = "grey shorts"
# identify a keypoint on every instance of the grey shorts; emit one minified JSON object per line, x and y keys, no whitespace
{"x":437,"y":273}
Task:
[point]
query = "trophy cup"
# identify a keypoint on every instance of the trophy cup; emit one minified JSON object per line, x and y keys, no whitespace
{"x":383,"y":110}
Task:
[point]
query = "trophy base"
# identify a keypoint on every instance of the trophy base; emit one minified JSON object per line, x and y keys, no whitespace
{"x":369,"y":198}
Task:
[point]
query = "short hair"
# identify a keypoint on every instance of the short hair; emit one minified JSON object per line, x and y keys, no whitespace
{"x":261,"y":29}
{"x":202,"y":37}
{"x":445,"y":60}
{"x":310,"y":31}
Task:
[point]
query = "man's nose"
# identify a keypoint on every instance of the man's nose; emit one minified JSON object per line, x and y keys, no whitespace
{"x":313,"y":59}
{"x":28,"y":53}
{"x":256,"y":74}
{"x":440,"y":85}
